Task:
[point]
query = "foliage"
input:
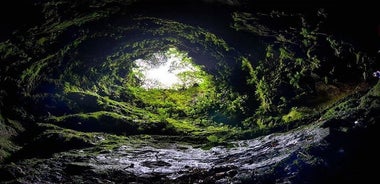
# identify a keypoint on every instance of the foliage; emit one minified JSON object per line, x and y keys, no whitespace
{"x":292,"y":65}
{"x":9,"y":129}
{"x":76,"y":71}
{"x":213,"y":139}
{"x":245,"y":21}
{"x":293,"y":115}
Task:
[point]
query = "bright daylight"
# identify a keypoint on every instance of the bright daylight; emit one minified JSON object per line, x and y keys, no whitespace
{"x":167,"y":70}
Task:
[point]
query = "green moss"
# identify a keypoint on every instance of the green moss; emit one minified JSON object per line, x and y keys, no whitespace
{"x":33,"y":73}
{"x":375,"y":91}
{"x":295,"y":80}
{"x":184,"y":126}
{"x":262,"y":88}
{"x":371,"y":100}
{"x":65,"y":134}
{"x":213,"y":139}
{"x":293,"y":115}
{"x":246,"y":65}
{"x":345,"y":106}
{"x":215,"y":40}
{"x":9,"y":129}
{"x":169,"y":106}
{"x":219,"y":128}
{"x":56,"y":139}
{"x":103,"y":91}
{"x":8,"y":49}
{"x":309,"y":37}
{"x":285,"y":54}
{"x":334,"y":45}
{"x":290,"y":65}
{"x":247,"y":22}
{"x":93,"y":115}
{"x":111,"y":87}
{"x":7,"y":147}
{"x":187,"y":32}
{"x":16,"y":125}
{"x":77,"y":21}
{"x":42,"y":41}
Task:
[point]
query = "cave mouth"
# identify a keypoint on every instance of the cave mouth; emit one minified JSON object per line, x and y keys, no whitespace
{"x":170,"y":69}
{"x":173,"y":89}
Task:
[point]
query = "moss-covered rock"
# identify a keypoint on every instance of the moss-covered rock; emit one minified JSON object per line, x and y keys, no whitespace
{"x":9,"y":130}
{"x":73,"y":87}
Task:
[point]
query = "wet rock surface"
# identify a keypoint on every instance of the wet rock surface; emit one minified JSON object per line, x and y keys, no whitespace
{"x":173,"y":163}
{"x":178,"y":160}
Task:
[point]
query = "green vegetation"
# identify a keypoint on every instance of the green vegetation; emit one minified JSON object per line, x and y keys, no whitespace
{"x":187,"y":32}
{"x":168,"y":70}
{"x":345,"y":107}
{"x":246,"y":22}
{"x":66,"y":135}
{"x":32,"y":74}
{"x":76,"y":21}
{"x":9,"y":129}
{"x":118,"y":104}
{"x":350,"y":104}
{"x":291,"y":70}
{"x":78,"y":78}
{"x":293,"y":115}
{"x":106,"y":92}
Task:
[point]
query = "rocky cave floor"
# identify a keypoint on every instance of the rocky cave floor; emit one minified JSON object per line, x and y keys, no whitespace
{"x":335,"y":149}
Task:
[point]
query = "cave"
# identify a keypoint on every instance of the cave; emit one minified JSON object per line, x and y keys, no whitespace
{"x":201,"y":91}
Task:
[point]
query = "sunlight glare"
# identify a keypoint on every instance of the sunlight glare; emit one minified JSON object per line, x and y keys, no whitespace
{"x":163,"y":71}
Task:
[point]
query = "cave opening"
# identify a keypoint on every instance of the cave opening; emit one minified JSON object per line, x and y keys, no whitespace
{"x":171,"y":69}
